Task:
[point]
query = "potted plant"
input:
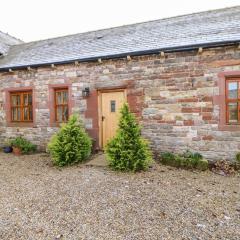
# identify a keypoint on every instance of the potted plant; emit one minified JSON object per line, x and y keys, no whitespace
{"x":7,"y":148}
{"x":21,"y":145}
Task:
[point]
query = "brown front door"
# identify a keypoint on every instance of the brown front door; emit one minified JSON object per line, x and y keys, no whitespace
{"x":111,"y":103}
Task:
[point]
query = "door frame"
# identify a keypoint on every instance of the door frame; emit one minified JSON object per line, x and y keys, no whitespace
{"x":100,"y":125}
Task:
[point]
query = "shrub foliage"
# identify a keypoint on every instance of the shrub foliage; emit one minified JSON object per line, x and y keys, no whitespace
{"x":186,"y":160}
{"x":23,"y":144}
{"x":237,"y":161}
{"x":71,"y":144}
{"x":128,"y":151}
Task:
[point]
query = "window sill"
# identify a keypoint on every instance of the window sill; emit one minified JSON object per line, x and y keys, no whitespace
{"x":21,"y":124}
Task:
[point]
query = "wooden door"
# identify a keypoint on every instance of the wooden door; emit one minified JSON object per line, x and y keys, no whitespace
{"x":111,"y":103}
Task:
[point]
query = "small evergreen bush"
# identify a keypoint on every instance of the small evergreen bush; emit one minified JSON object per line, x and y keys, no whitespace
{"x":187,"y":160}
{"x":128,"y":151}
{"x":71,"y":144}
{"x":23,"y":144}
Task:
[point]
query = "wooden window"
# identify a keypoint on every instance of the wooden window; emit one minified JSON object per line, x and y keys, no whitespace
{"x":21,"y":106}
{"x":61,"y":105}
{"x":233,"y":101}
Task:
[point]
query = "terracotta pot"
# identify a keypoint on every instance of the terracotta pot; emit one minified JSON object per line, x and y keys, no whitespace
{"x":17,"y":151}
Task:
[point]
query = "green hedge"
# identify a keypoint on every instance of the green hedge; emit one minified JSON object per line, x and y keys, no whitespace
{"x":187,"y":160}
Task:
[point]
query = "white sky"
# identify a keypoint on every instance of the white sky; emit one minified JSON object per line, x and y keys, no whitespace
{"x":32,"y":20}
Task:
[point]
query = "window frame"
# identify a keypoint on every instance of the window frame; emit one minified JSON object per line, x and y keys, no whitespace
{"x":7,"y":107}
{"x":51,"y":101}
{"x":21,"y":106}
{"x":220,"y":100}
{"x":232,"y":100}
{"x":62,"y":105}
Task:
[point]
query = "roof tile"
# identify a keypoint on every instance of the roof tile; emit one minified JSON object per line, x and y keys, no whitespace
{"x":194,"y":29}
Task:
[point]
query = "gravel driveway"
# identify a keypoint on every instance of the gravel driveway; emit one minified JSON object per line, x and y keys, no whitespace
{"x":39,"y":201}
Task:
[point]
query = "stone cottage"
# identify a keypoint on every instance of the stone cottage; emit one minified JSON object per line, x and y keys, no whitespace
{"x":180,"y":76}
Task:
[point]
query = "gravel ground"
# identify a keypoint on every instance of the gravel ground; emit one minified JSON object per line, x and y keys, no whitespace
{"x":39,"y":201}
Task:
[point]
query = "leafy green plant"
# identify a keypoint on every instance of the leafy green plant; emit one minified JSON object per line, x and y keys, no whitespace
{"x":23,"y":144}
{"x":238,"y":157}
{"x":237,"y":161}
{"x":128,"y":151}
{"x":202,"y":165}
{"x":178,"y":161}
{"x":187,"y":160}
{"x":197,"y":156}
{"x":189,"y":154}
{"x":168,"y":158}
{"x":71,"y":144}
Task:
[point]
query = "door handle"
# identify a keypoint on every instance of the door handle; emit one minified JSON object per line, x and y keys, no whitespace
{"x":103,"y":118}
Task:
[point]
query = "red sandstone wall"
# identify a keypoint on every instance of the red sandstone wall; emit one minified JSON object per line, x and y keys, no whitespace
{"x":173,"y":97}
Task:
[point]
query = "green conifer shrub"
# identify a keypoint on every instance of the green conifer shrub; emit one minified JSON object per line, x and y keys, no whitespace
{"x":71,"y":144}
{"x":128,"y":151}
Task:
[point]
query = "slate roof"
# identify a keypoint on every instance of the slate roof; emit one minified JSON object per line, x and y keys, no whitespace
{"x":6,"y":41}
{"x":211,"y":27}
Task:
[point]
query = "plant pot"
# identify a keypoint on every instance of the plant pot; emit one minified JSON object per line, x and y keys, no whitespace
{"x":17,"y":151}
{"x":7,"y":149}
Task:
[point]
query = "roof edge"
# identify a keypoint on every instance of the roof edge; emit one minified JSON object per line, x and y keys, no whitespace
{"x":13,"y":37}
{"x":123,"y":55}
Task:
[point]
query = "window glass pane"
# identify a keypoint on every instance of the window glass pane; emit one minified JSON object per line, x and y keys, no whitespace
{"x":65,"y":113}
{"x":232,"y":112}
{"x":30,"y":114}
{"x":16,"y":114}
{"x":113,"y":106}
{"x":59,"y":97}
{"x":18,"y":100}
{"x":29,"y":99}
{"x":15,"y":100}
{"x":25,"y":99}
{"x":25,"y":113}
{"x":59,"y":114}
{"x":65,"y":96}
{"x":232,"y":90}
